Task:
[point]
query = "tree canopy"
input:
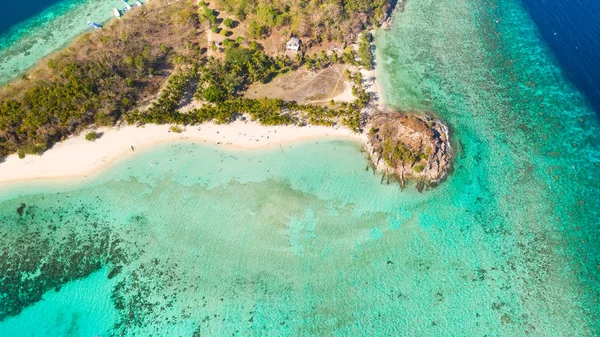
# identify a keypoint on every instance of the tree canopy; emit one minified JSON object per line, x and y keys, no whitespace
{"x":112,"y":73}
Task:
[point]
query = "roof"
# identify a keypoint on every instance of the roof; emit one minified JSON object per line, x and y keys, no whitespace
{"x":293,"y":41}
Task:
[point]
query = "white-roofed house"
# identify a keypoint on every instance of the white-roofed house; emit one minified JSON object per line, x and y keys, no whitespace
{"x":293,"y":44}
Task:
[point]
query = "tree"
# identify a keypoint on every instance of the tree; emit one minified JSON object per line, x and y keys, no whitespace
{"x":364,"y":51}
{"x":335,"y":58}
{"x":348,"y":56}
{"x":267,"y":14}
{"x":256,"y":30}
{"x":228,"y":23}
{"x":214,"y":94}
{"x":208,"y":13}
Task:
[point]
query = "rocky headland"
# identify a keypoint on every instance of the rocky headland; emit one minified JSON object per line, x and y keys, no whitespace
{"x":409,"y":146}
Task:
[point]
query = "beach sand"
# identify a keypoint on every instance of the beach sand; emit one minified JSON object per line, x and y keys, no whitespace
{"x":77,"y":156}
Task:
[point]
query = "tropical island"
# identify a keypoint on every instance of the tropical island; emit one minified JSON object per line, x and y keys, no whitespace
{"x":229,"y":65}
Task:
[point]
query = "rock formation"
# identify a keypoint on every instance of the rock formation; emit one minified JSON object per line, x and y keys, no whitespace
{"x":409,"y":146}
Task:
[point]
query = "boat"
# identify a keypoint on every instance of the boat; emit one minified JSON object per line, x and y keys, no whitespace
{"x":139,"y":3}
{"x":117,"y":12}
{"x":127,"y":5}
{"x":94,"y":25}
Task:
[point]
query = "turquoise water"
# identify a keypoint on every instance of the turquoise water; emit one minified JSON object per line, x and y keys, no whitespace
{"x":23,"y":45}
{"x":304,"y":240}
{"x":79,"y":308}
{"x":529,"y":147}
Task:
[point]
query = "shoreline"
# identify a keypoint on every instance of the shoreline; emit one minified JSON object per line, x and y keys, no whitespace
{"x":78,"y":157}
{"x":65,"y":27}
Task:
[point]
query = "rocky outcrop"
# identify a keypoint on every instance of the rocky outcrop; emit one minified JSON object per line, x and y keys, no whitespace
{"x":409,"y":146}
{"x":390,"y":8}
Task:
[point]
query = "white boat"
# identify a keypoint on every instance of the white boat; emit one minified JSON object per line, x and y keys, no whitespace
{"x":116,"y":12}
{"x":127,"y":5}
{"x":94,"y":25}
{"x":138,"y":3}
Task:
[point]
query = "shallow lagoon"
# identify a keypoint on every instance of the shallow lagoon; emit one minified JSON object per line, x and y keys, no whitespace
{"x":301,"y":239}
{"x":24,"y":44}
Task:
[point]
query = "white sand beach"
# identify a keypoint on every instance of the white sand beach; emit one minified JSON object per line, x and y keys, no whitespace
{"x":77,"y":156}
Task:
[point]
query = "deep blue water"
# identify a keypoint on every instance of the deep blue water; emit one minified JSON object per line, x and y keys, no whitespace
{"x":14,"y":12}
{"x":572,"y":29}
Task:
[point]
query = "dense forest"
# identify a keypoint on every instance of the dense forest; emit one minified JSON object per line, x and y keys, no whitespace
{"x":115,"y":73}
{"x":95,"y":80}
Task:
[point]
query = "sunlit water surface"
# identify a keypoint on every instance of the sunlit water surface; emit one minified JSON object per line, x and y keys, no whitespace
{"x":191,"y":239}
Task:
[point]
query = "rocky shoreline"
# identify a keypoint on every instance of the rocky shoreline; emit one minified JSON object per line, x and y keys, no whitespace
{"x":392,"y":7}
{"x":410,"y":147}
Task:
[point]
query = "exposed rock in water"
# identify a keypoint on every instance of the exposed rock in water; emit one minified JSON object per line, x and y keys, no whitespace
{"x":409,"y":147}
{"x":389,"y":9}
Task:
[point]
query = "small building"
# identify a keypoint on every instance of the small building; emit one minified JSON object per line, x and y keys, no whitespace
{"x":293,"y":44}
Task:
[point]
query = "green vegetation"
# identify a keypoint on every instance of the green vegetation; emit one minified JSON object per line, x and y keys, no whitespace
{"x":176,"y":129}
{"x":96,"y":80}
{"x":207,"y":13}
{"x":30,"y":149}
{"x":312,"y":20}
{"x":418,"y":168}
{"x":220,"y":83}
{"x":364,"y":50}
{"x":266,"y":111}
{"x":110,"y":74}
{"x":228,"y":23}
{"x":257,"y":31}
{"x":220,"y":80}
{"x":397,"y":153}
{"x":92,"y":136}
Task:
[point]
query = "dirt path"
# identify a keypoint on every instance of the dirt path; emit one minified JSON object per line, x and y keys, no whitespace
{"x":209,"y":37}
{"x":343,"y":97}
{"x":339,"y":79}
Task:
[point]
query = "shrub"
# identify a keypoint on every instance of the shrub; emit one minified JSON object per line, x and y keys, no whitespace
{"x":91,"y":136}
{"x":419,"y":168}
{"x":176,"y":129}
{"x":30,"y":149}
